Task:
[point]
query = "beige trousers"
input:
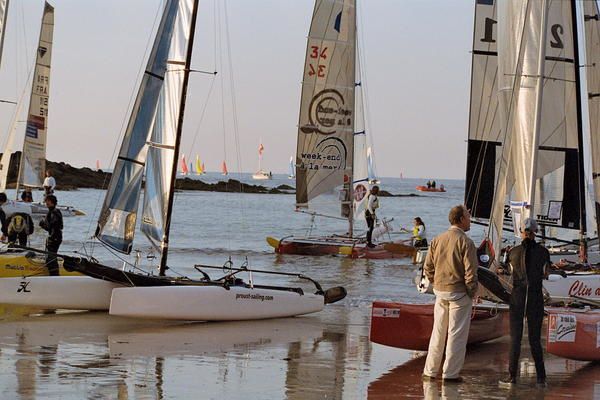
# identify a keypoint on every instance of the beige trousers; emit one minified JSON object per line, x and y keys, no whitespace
{"x":451,"y":320}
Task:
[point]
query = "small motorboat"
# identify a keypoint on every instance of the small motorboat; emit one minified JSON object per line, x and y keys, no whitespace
{"x":262,"y":175}
{"x":430,"y":189}
{"x":573,"y":333}
{"x":409,"y":326}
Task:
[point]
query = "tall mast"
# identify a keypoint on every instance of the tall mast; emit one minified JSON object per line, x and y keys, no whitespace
{"x":582,"y":185}
{"x":186,"y":75}
{"x":538,"y":107}
{"x":351,"y":185}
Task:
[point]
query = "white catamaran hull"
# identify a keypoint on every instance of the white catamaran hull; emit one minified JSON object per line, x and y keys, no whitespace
{"x":37,"y":210}
{"x":584,"y":285}
{"x":57,"y":292}
{"x":211,"y":303}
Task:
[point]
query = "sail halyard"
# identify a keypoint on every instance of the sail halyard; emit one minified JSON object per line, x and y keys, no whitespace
{"x":360,"y":166}
{"x":193,"y":5}
{"x":117,"y":220}
{"x":32,"y":167}
{"x":325,"y":146}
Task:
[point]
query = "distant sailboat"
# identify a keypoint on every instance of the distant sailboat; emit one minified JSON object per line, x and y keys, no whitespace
{"x":224,"y":168}
{"x":97,"y":165}
{"x":292,"y":169}
{"x":261,"y":174}
{"x":199,"y":167}
{"x":32,"y":165}
{"x":184,"y":167}
{"x":331,"y":151}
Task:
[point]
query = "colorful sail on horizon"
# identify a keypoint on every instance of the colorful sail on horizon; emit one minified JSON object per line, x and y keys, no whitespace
{"x":199,"y":168}
{"x":184,"y":167}
{"x":224,"y":168}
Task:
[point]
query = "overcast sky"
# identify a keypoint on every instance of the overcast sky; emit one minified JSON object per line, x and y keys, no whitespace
{"x":417,"y":73}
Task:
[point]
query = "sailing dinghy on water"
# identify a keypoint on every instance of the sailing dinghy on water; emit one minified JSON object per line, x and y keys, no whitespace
{"x":331,"y":155}
{"x":32,"y":166}
{"x":151,"y":144}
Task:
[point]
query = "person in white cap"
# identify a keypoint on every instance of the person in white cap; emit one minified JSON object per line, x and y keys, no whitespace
{"x":528,"y":263}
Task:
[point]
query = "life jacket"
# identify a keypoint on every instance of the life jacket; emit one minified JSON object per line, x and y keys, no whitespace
{"x":17,"y":224}
{"x":415,"y":232}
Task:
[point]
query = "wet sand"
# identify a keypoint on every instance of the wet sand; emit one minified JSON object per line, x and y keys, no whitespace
{"x":324,"y":356}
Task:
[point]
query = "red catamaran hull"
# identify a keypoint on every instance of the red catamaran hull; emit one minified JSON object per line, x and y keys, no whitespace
{"x":345,"y":247}
{"x":573,"y":334}
{"x":409,"y":326}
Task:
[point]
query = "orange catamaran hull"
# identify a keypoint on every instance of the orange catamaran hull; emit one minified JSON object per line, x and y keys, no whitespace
{"x":574,"y":334}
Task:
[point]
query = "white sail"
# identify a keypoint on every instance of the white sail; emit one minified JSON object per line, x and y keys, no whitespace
{"x":3,"y":15}
{"x":325,"y":149}
{"x":116,"y":224}
{"x":292,"y":168}
{"x":33,"y":158}
{"x":161,"y":149}
{"x":484,"y":145}
{"x":557,"y":176}
{"x":592,"y":41}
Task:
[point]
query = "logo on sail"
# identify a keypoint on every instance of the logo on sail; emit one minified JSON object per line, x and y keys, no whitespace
{"x":327,"y":113}
{"x":34,"y":124}
{"x":42,"y":51}
{"x":330,"y":154}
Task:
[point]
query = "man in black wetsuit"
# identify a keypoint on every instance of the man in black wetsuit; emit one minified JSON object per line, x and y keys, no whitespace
{"x":528,"y":263}
{"x":53,"y":224}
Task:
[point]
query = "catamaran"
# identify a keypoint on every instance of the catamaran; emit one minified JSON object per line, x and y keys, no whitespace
{"x":199,"y":166}
{"x":151,"y":143}
{"x":32,"y":165}
{"x":331,"y":153}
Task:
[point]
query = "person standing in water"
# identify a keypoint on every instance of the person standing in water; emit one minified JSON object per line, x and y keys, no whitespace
{"x":372,"y":205}
{"x":53,"y":224}
{"x":419,"y":233}
{"x":451,"y":266}
{"x":528,"y":263}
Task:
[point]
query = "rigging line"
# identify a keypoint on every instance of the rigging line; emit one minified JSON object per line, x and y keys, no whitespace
{"x":133,"y":94}
{"x":202,"y":113}
{"x":234,"y":112}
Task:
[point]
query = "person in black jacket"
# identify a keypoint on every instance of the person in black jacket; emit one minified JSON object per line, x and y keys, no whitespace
{"x":3,"y":226}
{"x":53,"y":224}
{"x":528,"y":263}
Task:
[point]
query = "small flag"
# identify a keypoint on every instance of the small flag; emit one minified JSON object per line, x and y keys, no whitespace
{"x":261,"y":148}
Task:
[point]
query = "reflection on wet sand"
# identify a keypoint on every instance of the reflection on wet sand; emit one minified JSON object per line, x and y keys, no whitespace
{"x":485,"y":364}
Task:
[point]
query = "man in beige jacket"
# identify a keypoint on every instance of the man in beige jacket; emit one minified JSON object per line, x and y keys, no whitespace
{"x":451,"y":266}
